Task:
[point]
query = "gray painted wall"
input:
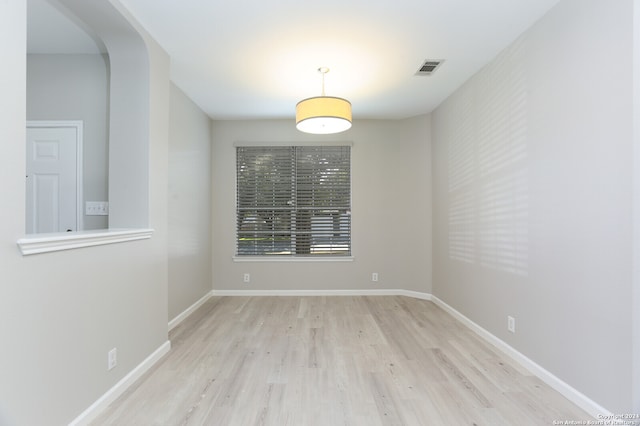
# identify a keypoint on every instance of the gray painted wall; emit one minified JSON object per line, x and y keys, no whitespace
{"x":391,"y":209}
{"x":561,"y":206}
{"x":533,"y":197}
{"x":61,"y":312}
{"x":76,"y":87}
{"x":635,"y":297}
{"x":189,"y":203}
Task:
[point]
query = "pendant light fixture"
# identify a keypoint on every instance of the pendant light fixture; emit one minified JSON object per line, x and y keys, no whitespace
{"x":323,"y":114}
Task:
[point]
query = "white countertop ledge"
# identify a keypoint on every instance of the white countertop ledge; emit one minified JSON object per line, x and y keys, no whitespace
{"x":44,"y":243}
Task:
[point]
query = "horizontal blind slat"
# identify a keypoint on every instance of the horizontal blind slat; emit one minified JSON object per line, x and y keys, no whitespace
{"x":293,"y":201}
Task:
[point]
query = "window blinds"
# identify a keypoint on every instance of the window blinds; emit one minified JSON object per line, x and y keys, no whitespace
{"x":293,"y":201}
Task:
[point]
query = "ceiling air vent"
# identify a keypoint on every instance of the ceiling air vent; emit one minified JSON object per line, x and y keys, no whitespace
{"x":429,"y":66}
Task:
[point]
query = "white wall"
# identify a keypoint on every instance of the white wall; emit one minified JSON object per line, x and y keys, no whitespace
{"x":75,"y":87}
{"x":391,"y":209}
{"x":61,"y":312}
{"x":189,"y":203}
{"x":533,"y":197}
{"x":12,"y":168}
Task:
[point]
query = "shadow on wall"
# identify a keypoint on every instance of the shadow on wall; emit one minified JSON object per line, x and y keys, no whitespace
{"x":488,"y":212}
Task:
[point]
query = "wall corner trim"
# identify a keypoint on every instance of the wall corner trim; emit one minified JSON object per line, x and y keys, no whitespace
{"x":119,"y":388}
{"x":191,"y":309}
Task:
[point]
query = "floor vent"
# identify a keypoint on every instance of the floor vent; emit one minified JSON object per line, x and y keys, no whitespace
{"x":429,"y":66}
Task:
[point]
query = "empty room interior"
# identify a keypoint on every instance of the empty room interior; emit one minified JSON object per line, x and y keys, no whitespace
{"x":187,"y":239}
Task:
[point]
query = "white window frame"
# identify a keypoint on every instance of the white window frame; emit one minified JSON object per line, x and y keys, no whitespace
{"x":295,"y":257}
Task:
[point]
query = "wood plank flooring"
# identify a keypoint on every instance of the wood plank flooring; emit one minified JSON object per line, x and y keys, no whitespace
{"x":379,"y":360}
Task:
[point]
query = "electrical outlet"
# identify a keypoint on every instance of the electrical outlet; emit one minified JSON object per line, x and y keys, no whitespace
{"x":374,"y":277}
{"x":511,"y":324}
{"x":112,"y":359}
{"x":246,"y":278}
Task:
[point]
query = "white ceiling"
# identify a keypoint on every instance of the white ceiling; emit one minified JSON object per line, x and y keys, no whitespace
{"x":258,"y":58}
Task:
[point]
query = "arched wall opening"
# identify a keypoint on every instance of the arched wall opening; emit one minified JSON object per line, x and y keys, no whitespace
{"x":128,"y":127}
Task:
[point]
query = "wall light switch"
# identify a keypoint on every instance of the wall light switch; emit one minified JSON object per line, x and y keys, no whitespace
{"x":97,"y":208}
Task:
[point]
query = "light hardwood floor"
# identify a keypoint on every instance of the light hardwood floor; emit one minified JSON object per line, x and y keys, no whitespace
{"x":379,"y":360}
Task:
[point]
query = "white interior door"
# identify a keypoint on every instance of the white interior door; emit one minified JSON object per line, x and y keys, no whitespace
{"x":52,"y":178}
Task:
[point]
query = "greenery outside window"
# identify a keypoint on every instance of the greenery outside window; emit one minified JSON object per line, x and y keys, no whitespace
{"x":293,"y":201}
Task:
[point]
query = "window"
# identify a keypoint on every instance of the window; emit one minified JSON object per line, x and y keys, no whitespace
{"x":293,"y":201}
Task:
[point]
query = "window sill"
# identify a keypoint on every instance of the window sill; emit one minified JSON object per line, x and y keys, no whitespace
{"x":292,"y":259}
{"x":44,"y":243}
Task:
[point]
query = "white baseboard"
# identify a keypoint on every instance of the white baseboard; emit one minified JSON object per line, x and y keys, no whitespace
{"x":119,"y":388}
{"x":553,"y":381}
{"x":365,"y":292}
{"x":415,"y":294}
{"x":181,"y":317}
